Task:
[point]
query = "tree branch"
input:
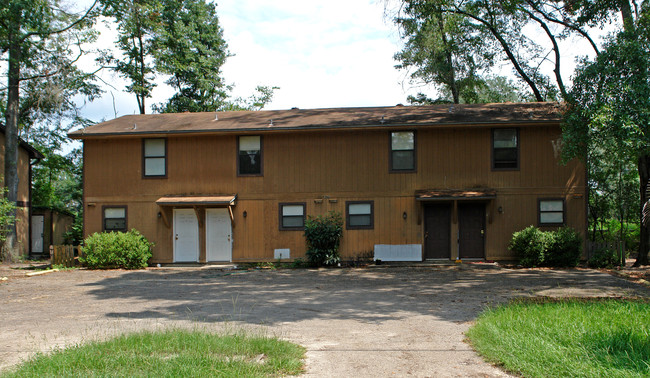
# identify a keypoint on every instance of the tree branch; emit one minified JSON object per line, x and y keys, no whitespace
{"x":62,"y":30}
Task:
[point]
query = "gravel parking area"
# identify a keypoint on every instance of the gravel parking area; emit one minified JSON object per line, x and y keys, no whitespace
{"x":375,"y":321}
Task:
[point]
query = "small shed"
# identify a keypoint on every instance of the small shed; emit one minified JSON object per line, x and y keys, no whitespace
{"x":48,"y":228}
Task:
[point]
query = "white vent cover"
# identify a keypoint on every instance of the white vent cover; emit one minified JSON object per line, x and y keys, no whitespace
{"x":281,"y":253}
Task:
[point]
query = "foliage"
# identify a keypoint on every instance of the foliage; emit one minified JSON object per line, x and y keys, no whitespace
{"x":604,"y":258}
{"x":75,"y":235}
{"x":7,"y":209}
{"x":608,"y":117}
{"x":323,"y":234}
{"x":171,"y":353}
{"x":490,"y":90}
{"x":41,"y":41}
{"x":454,"y":43}
{"x":181,"y":40}
{"x":591,"y":338}
{"x":128,"y":250}
{"x":535,"y":247}
{"x":564,"y":248}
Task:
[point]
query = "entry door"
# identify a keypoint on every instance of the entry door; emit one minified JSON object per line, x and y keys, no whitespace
{"x":471,"y":230}
{"x":217,"y":234}
{"x":437,"y":231}
{"x":186,"y":236}
{"x":37,"y":233}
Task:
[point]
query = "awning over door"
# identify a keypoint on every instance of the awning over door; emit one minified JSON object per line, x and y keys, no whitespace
{"x":451,"y":194}
{"x":217,"y":201}
{"x":199,"y":203}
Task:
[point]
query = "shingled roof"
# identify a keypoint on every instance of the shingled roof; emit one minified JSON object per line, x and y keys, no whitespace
{"x":372,"y":117}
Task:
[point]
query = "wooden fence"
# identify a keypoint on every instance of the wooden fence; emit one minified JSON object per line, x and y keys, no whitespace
{"x":618,"y":246}
{"x":64,"y":255}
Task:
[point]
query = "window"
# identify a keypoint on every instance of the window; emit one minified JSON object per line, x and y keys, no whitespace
{"x":402,"y":151}
{"x":505,"y":149}
{"x":154,"y":160}
{"x":114,"y":218}
{"x":551,"y":212}
{"x":359,"y":214}
{"x":250,"y":155}
{"x":292,"y":216}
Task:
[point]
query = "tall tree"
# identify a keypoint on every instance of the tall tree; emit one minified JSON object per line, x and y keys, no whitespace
{"x":181,"y":40}
{"x":138,"y":25}
{"x":191,"y":49}
{"x":499,"y":31}
{"x":609,"y":107}
{"x":41,"y":42}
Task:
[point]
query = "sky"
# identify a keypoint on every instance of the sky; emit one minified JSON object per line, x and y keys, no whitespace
{"x":320,"y":53}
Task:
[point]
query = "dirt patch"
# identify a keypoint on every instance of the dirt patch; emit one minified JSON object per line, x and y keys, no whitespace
{"x":377,"y":321}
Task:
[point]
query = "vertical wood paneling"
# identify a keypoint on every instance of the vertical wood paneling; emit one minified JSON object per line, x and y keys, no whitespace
{"x":346,"y":165}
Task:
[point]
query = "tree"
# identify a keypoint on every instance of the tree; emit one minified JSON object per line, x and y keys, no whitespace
{"x":138,"y":25}
{"x":490,"y":90}
{"x":41,"y":42}
{"x":609,"y":108}
{"x":182,"y":40}
{"x":482,"y":33}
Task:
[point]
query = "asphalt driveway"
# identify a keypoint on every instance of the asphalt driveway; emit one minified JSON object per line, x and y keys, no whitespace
{"x":378,"y":321}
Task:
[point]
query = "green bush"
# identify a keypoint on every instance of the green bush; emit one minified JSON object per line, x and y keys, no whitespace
{"x":529,"y":245}
{"x":323,"y":234}
{"x":128,"y":250}
{"x":535,"y":247}
{"x":604,"y":258}
{"x":564,"y":248}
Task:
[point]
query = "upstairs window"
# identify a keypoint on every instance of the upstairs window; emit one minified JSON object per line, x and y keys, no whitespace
{"x":551,"y":212}
{"x":359,"y":215}
{"x":402,"y":151}
{"x":249,"y":162}
{"x":154,"y":158}
{"x":505,"y":149}
{"x":114,"y":218}
{"x":292,"y":216}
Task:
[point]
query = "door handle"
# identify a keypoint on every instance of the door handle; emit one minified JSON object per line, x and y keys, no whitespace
{"x":482,"y":232}
{"x":426,"y":235}
{"x":176,"y":236}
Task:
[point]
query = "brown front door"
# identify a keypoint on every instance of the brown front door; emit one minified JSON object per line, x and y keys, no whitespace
{"x":471,"y":230}
{"x":437,"y":231}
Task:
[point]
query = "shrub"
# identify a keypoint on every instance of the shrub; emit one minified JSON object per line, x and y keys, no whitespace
{"x":529,"y":245}
{"x":323,"y":234}
{"x":604,"y":258}
{"x":564,"y":248}
{"x":128,"y":250}
{"x":547,"y":248}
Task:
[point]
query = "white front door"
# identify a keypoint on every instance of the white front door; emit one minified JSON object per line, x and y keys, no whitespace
{"x":186,"y":236}
{"x":218,"y":235}
{"x":37,"y":233}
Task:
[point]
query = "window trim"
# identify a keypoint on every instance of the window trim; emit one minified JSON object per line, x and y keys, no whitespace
{"x":239,"y":174}
{"x":539,"y":212}
{"x":492,"y":158}
{"x":126,"y":217}
{"x":390,"y":152}
{"x":304,"y":215}
{"x":371,"y":226}
{"x":144,"y":160}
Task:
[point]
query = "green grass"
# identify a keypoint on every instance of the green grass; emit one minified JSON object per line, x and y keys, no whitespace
{"x":173,"y":353}
{"x":571,"y":338}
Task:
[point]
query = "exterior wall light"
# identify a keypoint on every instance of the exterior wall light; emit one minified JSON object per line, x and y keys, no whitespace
{"x":245,"y":214}
{"x":404,"y":215}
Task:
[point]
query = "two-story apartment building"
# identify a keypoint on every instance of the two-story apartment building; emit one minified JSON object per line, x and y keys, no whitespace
{"x":412,"y":183}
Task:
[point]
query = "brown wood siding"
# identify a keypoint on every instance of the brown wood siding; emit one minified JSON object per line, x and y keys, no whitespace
{"x":22,"y":214}
{"x":304,"y":166}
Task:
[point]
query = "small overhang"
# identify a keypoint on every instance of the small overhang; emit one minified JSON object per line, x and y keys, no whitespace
{"x":226,"y":200}
{"x":448,"y":194}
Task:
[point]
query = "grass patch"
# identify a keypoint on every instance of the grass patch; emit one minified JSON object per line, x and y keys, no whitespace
{"x":568,"y":338}
{"x":172,"y":353}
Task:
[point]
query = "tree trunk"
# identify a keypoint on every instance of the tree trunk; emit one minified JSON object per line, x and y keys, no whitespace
{"x":10,"y":249}
{"x":644,"y":243}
